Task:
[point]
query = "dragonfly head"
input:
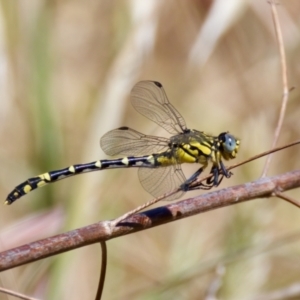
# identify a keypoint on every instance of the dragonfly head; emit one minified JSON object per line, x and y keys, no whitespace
{"x":229,"y":145}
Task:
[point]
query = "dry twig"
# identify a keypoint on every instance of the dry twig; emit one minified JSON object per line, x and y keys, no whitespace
{"x":102,"y":270}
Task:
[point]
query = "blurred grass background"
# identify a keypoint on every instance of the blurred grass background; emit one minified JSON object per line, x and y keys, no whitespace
{"x":66,"y":71}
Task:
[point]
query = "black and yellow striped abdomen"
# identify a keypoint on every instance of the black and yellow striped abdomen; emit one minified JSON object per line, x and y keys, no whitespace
{"x":183,"y":153}
{"x":49,"y":177}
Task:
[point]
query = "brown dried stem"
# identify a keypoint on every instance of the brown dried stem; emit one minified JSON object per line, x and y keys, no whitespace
{"x":285,"y":94}
{"x":102,"y":270}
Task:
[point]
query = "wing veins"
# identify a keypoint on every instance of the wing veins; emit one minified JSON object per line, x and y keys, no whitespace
{"x":149,"y":99}
{"x":158,"y":181}
{"x":127,"y":141}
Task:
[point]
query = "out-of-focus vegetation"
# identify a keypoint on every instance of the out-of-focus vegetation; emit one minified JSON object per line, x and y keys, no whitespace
{"x":66,"y":70}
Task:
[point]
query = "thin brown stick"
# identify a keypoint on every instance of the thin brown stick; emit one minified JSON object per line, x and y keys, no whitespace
{"x":287,"y":198}
{"x":103,"y":231}
{"x":285,"y":85}
{"x":264,"y":154}
{"x":103,"y":270}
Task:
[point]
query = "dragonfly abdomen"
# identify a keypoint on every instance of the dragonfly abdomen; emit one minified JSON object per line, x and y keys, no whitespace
{"x":49,"y":177}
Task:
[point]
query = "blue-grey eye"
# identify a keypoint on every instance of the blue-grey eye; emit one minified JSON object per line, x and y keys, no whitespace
{"x":229,"y":145}
{"x":229,"y":142}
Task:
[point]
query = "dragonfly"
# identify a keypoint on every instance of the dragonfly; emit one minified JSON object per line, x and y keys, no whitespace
{"x":158,"y":159}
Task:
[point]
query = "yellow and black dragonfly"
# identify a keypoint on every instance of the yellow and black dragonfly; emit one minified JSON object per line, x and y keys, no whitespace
{"x":158,"y":159}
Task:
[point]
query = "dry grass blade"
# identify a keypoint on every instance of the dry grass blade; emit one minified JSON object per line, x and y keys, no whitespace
{"x":15,"y":294}
{"x":216,"y":283}
{"x":285,"y":94}
{"x":290,"y":292}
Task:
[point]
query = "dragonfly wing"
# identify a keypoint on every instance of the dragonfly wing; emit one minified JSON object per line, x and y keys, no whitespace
{"x":127,"y":141}
{"x":149,"y":99}
{"x":158,"y":181}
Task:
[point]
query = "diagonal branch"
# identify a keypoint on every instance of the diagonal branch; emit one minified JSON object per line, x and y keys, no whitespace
{"x":103,"y":231}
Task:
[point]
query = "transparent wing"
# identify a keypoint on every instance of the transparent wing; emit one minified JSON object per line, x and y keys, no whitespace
{"x":158,"y":181}
{"x":127,"y":141}
{"x":149,"y":99}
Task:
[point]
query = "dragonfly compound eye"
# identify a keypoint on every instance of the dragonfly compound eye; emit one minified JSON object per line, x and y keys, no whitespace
{"x":229,"y":145}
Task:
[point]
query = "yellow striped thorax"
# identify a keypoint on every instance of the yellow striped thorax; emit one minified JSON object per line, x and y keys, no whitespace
{"x":197,"y":146}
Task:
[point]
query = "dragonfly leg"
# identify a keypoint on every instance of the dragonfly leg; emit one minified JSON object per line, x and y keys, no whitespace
{"x":186,"y":185}
{"x":210,"y":182}
{"x":214,"y":180}
{"x":224,"y":170}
